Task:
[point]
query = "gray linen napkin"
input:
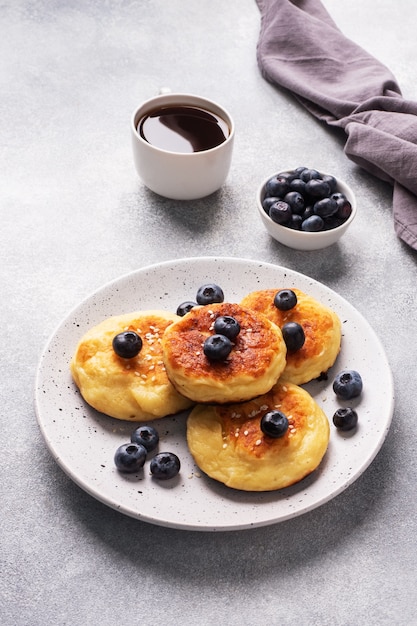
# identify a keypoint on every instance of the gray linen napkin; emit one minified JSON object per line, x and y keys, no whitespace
{"x":301,"y":49}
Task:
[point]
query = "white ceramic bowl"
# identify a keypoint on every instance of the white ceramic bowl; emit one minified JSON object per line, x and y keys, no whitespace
{"x":299,"y":239}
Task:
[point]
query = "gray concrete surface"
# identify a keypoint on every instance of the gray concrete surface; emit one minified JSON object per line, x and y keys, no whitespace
{"x":74,"y":216}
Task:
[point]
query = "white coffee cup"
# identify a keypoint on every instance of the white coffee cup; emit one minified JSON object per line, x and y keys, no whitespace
{"x":181,"y":175}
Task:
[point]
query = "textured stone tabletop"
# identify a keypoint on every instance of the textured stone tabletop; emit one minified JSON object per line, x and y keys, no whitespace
{"x":75,"y":216}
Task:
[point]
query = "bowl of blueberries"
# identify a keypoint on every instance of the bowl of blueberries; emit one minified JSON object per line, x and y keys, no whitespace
{"x":305,"y":209}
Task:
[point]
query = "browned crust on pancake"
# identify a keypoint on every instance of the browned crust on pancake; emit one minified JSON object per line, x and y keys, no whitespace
{"x":321,"y":327}
{"x":257,"y":349}
{"x":241,"y":424}
{"x":228,"y":444}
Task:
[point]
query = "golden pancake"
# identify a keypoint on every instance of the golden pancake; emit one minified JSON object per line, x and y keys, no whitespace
{"x":322,"y":329}
{"x":227,"y":442}
{"x":254,"y":365}
{"x":134,"y":389}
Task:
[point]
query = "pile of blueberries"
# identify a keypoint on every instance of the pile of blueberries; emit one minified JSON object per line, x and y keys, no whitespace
{"x":130,"y":457}
{"x":305,"y":199}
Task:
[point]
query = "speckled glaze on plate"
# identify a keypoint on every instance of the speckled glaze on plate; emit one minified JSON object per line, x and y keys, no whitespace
{"x":83,"y":441}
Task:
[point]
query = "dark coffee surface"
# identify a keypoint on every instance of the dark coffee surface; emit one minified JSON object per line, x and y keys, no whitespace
{"x":183,"y":129}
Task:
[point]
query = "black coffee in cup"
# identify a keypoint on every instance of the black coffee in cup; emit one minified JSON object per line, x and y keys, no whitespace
{"x":183,"y":129}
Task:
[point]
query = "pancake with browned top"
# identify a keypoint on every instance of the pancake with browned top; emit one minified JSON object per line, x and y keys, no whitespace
{"x":322,"y":330}
{"x":227,"y":442}
{"x":253,"y":366}
{"x":137,"y":388}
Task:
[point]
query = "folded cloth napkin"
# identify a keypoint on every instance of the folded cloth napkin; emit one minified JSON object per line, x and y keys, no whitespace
{"x":301,"y":49}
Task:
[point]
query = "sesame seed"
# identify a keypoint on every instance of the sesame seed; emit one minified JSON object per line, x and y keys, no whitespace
{"x":258,"y":442}
{"x":144,"y":376}
{"x":224,"y":445}
{"x":246,"y":433}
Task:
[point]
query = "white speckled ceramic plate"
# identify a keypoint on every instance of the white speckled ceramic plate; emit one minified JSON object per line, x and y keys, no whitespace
{"x":83,"y":441}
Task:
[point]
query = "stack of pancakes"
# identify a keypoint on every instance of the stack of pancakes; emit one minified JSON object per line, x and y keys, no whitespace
{"x":229,"y":397}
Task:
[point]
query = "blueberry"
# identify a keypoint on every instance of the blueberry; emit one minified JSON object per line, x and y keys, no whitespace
{"x":127,"y":344}
{"x":325,"y":207}
{"x":289,"y":175}
{"x":312,"y":224}
{"x":227,"y":326}
{"x":217,"y":347}
{"x":331,"y":181}
{"x":146,"y":436}
{"x":332,"y":222}
{"x":298,"y":185}
{"x":285,"y":299}
{"x":277,"y":186}
{"x":307,"y":174}
{"x":296,"y":201}
{"x":130,"y":457}
{"x":294,"y":336}
{"x":317,"y":188}
{"x":300,"y":169}
{"x":347,"y":384}
{"x":308,"y":212}
{"x":345,"y":419}
{"x":295,"y":222}
{"x":274,"y":424}
{"x":268,"y":202}
{"x":210,"y":293}
{"x":344,"y":208}
{"x":280,"y":212}
{"x":165,"y":465}
{"x":185,"y":307}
